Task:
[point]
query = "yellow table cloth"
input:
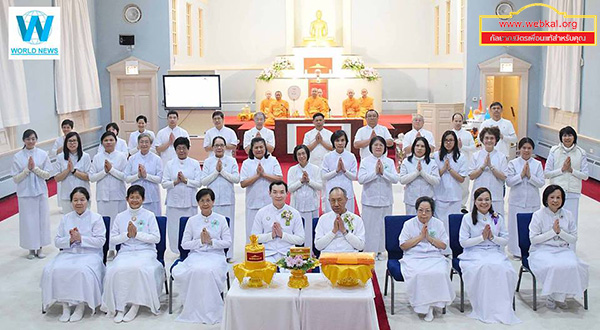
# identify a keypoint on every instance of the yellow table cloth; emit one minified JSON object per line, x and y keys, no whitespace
{"x":347,"y":275}
{"x":256,"y":275}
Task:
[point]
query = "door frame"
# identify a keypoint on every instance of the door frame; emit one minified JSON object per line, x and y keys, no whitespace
{"x":146,"y":70}
{"x":491,"y":67}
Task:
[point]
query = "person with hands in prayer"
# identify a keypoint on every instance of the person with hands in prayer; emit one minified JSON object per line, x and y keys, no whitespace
{"x":339,"y":169}
{"x":72,"y":167}
{"x":144,"y":168}
{"x":318,"y":140}
{"x":339,"y":230}
{"x":419,"y":174}
{"x":365,"y":134}
{"x":165,"y":138}
{"x":259,"y":130}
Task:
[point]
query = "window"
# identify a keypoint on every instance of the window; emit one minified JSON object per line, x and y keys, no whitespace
{"x":174,"y":25}
{"x":188,"y":27}
{"x":200,"y":33}
{"x":436,"y":39}
{"x":447,"y":26}
{"x":461,"y":36}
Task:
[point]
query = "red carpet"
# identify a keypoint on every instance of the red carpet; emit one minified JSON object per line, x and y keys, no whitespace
{"x":9,"y":205}
{"x":382,"y":318}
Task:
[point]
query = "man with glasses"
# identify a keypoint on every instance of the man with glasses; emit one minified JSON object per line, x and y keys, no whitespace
{"x":372,"y":129}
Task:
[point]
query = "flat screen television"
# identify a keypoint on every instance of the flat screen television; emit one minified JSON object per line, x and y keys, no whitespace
{"x":192,"y":92}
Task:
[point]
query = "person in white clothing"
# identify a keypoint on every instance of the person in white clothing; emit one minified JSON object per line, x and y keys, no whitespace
{"x":142,"y":122}
{"x":489,"y":166}
{"x":259,"y":130}
{"x":318,"y":140}
{"x":489,"y":277}
{"x":339,"y":169}
{"x":200,"y":278}
{"x":507,"y":131}
{"x":30,"y":169}
{"x":220,"y":129}
{"x":72,"y":170}
{"x":365,"y":134}
{"x":181,"y":178}
{"x":377,"y":173}
{"x":419,"y":174}
{"x":466,"y":145}
{"x":417,"y":131}
{"x":424,"y":267}
{"x":74,"y":277}
{"x":552,"y":229}
{"x":66,"y":127}
{"x":220,"y":172}
{"x":525,"y":177}
{"x":144,"y":168}
{"x":453,"y":168}
{"x":339,"y":230}
{"x":567,"y":166}
{"x":258,"y":171}
{"x":135,"y":277}
{"x":166,"y":137}
{"x":278,"y":226}
{"x":305,"y":187}
{"x":108,"y":171}
{"x":121,"y":145}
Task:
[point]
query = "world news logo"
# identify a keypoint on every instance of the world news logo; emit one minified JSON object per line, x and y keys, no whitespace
{"x":34,"y":33}
{"x":37,"y":21}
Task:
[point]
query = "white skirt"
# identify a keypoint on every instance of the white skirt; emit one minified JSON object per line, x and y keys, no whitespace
{"x":174,"y":215}
{"x":201,"y":278}
{"x":73,"y":278}
{"x":153,"y":207}
{"x":308,"y":218}
{"x":513,"y":234}
{"x":134,"y":277}
{"x":561,"y":273}
{"x":427,"y":281}
{"x":111,"y":209}
{"x":228,"y":211}
{"x":490,"y":282}
{"x":465,"y":192}
{"x":34,"y":222}
{"x":373,"y":218}
{"x":572,"y":204}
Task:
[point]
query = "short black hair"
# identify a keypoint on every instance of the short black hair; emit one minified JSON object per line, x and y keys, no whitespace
{"x":113,"y":125}
{"x":172,"y":112}
{"x":255,"y":141}
{"x":68,"y":122}
{"x":493,"y":130}
{"x":203,"y":192}
{"x":549,"y":190}
{"x":141,"y":117}
{"x":297,"y":148}
{"x":567,"y":130}
{"x":525,"y":140}
{"x":338,"y":134}
{"x":318,"y":114}
{"x":81,"y":190}
{"x":136,"y":188}
{"x":218,"y":113}
{"x":427,"y":199}
{"x":218,"y":137}
{"x":181,"y":140}
{"x":375,"y":139}
{"x":107,"y":134}
{"x":278,"y":183}
{"x":496,"y":104}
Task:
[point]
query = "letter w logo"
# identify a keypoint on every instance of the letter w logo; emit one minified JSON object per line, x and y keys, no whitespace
{"x":34,"y":23}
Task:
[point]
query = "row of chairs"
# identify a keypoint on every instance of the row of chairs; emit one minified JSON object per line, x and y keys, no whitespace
{"x":393,"y":228}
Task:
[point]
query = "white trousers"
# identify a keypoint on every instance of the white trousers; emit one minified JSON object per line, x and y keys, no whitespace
{"x":373,"y":218}
{"x":34,"y":222}
{"x":174,"y":214}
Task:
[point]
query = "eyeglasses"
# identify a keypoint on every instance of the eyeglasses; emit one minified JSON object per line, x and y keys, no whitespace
{"x":424,"y":211}
{"x":219,"y":146}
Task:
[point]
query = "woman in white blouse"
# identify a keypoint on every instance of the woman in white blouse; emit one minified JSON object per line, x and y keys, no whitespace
{"x":339,"y":169}
{"x":201,"y":276}
{"x":490,"y":279}
{"x":377,"y":173}
{"x":107,"y":171}
{"x":258,"y":171}
{"x":220,"y":172}
{"x":134,"y":137}
{"x":419,"y":174}
{"x":135,"y":277}
{"x":72,"y":167}
{"x":424,"y":268}
{"x":74,"y":277}
{"x":144,"y":168}
{"x":181,"y":178}
{"x":453,"y":168}
{"x":305,"y":185}
{"x":120,"y":144}
{"x":552,"y":230}
{"x":30,"y":170}
{"x":525,"y":177}
{"x":488,"y":167}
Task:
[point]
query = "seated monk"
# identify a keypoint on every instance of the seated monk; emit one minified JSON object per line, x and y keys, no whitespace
{"x":314,"y":104}
{"x":265,"y":105}
{"x":365,"y":103}
{"x":350,"y":106}
{"x":328,"y":109}
{"x":279,"y":109}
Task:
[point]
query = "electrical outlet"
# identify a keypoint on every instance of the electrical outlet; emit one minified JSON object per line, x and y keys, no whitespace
{"x":474,"y":99}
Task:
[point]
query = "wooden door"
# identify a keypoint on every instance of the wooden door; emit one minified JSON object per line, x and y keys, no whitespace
{"x":134,"y":99}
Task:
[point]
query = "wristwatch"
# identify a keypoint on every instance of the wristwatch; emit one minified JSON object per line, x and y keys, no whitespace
{"x":74,"y":170}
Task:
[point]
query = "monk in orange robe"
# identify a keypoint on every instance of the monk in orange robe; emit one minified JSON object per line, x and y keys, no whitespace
{"x":279,"y":109}
{"x":314,"y":104}
{"x":365,"y":103}
{"x":327,"y":108}
{"x":265,"y":105}
{"x":350,"y":106}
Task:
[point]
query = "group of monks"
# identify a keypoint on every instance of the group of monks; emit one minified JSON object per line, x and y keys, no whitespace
{"x":352,"y":107}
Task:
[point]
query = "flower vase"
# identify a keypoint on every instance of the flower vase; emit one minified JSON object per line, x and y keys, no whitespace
{"x":298,"y":279}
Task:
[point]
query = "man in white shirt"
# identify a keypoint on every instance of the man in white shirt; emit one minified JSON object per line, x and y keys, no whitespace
{"x":339,"y":230}
{"x":318,"y":140}
{"x":366,"y":133}
{"x":259,"y":130}
{"x":220,"y":129}
{"x":278,"y":225}
{"x":417,"y":130}
{"x":166,"y":136}
{"x":466,"y":144}
{"x":507,"y":131}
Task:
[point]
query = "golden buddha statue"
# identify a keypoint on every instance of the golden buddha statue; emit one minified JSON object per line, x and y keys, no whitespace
{"x":318,"y":33}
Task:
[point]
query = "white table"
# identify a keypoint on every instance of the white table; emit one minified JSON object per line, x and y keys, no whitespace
{"x":320,"y":306}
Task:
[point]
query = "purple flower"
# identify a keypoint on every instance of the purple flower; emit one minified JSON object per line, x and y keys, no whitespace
{"x":495,"y":218}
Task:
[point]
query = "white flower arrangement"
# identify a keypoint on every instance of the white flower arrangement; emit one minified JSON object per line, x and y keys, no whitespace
{"x":353,"y":63}
{"x":280,"y":63}
{"x":267,"y":74}
{"x":369,"y":74}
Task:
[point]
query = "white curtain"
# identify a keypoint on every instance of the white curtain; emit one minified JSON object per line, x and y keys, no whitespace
{"x":76,"y":76}
{"x":562,"y":87}
{"x":14,"y":109}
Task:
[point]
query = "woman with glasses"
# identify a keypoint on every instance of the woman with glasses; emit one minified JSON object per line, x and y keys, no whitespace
{"x":144,"y":168}
{"x":72,"y":167}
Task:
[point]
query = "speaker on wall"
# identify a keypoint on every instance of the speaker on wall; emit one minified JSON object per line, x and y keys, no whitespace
{"x":126,"y":40}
